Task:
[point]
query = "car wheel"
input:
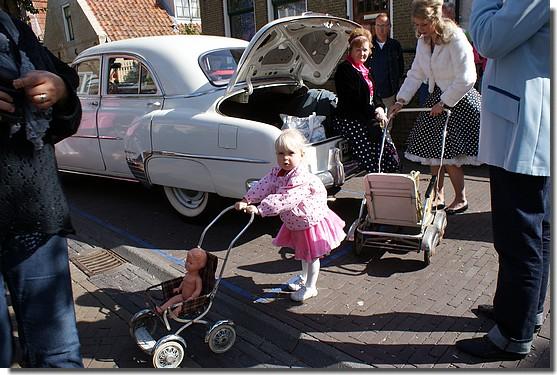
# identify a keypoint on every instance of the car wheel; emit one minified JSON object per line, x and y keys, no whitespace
{"x":191,"y":204}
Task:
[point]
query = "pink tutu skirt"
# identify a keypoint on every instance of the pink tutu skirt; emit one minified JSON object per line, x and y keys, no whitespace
{"x":315,"y":241}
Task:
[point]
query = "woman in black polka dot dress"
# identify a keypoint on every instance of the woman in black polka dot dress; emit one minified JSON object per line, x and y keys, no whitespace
{"x":444,"y":58}
{"x":359,"y":112}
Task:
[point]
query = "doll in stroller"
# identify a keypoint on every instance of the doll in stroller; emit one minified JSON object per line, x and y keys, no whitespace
{"x":169,"y":307}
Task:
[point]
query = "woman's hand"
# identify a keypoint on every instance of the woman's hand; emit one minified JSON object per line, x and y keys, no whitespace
{"x":6,"y":103}
{"x":437,"y":109}
{"x":380,"y":115}
{"x":394,"y":109}
{"x":43,"y":89}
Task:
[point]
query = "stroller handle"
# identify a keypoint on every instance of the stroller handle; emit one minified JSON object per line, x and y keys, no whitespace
{"x":229,"y":246}
{"x":425,"y":109}
{"x":216,"y":219}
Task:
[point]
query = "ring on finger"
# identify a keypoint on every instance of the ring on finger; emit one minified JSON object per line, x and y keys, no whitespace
{"x":42,"y":98}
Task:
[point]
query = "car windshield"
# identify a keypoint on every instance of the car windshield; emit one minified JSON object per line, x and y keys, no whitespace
{"x":219,"y":65}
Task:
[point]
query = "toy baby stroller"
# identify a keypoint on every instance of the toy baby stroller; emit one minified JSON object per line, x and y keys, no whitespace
{"x":393,"y":216}
{"x":153,"y":332}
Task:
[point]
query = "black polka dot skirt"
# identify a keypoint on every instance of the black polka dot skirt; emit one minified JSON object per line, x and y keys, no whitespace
{"x":463,"y":129}
{"x":365,"y":143}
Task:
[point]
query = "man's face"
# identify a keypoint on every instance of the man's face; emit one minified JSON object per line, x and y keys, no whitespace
{"x":382,"y":28}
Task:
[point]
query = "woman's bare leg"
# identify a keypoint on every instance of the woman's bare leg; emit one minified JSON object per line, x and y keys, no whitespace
{"x":439,"y":191}
{"x":456,"y":174}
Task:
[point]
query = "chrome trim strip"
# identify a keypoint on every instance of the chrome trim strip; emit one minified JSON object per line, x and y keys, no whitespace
{"x":98,"y":137}
{"x":97,"y":175}
{"x":208,"y":157}
{"x":85,"y":136}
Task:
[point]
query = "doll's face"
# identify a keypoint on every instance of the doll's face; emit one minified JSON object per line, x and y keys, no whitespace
{"x":195,"y":260}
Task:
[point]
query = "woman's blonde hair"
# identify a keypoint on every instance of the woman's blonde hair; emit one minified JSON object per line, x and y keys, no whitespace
{"x":290,"y":140}
{"x":358,"y":37}
{"x":431,"y":11}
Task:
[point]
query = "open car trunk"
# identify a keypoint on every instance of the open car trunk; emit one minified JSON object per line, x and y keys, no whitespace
{"x":266,"y":104}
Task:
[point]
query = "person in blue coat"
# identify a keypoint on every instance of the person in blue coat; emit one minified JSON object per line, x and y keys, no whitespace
{"x":514,"y":140}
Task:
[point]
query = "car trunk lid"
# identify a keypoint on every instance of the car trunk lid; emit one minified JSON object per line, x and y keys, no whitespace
{"x":300,"y":48}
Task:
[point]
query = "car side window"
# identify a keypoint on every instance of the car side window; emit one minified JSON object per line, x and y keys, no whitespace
{"x":147,"y":84}
{"x":128,"y":76}
{"x":88,"y":72}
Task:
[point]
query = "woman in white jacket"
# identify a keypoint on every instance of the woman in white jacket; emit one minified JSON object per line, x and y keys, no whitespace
{"x":444,"y":58}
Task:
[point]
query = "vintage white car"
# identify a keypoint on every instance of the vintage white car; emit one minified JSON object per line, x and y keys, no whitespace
{"x":198,"y":115}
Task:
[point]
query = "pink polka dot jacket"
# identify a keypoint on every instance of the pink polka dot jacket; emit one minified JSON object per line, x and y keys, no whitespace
{"x":298,"y":197}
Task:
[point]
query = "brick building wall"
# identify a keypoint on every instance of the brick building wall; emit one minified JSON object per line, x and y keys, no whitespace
{"x":212,"y":17}
{"x":334,"y":8}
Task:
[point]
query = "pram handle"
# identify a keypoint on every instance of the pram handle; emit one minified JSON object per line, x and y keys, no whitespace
{"x":215,"y":220}
{"x":426,"y":109}
{"x":229,"y":246}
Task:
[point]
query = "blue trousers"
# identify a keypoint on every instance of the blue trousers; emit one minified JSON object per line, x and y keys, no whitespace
{"x":41,"y":295}
{"x":521,"y":211}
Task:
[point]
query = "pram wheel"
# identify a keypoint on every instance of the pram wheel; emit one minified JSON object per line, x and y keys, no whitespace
{"x":440,"y":222}
{"x":358,"y":243}
{"x":168,"y":354}
{"x":429,"y":243}
{"x":221,"y":337}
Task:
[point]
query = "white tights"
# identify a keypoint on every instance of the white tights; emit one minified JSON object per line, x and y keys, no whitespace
{"x":310,"y":272}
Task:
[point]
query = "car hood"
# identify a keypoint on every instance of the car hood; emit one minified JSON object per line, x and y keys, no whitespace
{"x":300,"y":48}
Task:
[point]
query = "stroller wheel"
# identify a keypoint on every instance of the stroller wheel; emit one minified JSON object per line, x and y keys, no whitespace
{"x":144,"y":318}
{"x":429,"y":243}
{"x":169,"y":354}
{"x":358,"y":244}
{"x":221,"y":338}
{"x":440,"y":222}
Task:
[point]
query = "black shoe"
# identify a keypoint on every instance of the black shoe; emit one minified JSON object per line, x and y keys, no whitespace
{"x":452,"y":211}
{"x":488,"y":312}
{"x":482,"y":347}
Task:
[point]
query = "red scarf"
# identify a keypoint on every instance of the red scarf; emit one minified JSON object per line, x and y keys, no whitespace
{"x":363,"y":71}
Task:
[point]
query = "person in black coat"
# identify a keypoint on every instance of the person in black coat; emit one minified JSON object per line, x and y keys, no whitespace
{"x":360,"y":111}
{"x":387,"y":62}
{"x":38,"y":107}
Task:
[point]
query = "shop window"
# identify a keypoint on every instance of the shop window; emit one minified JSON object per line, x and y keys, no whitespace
{"x":242,"y":19}
{"x":287,"y":8}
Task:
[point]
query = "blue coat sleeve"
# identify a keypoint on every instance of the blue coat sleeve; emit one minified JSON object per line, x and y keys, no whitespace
{"x":498,"y":27}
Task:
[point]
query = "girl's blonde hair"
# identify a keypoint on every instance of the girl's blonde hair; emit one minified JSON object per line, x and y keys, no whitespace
{"x":290,"y":140}
{"x":432,"y":11}
{"x":358,"y":37}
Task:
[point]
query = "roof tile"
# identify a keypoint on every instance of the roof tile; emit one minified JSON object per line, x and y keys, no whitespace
{"x":124,"y":19}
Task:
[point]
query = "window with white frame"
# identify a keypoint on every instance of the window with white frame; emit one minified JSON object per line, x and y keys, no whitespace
{"x":68,"y":25}
{"x":286,"y":8}
{"x":187,"y":9}
{"x":242,"y":19}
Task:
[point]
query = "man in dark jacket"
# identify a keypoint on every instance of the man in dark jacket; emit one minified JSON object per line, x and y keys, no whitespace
{"x":386,"y":63}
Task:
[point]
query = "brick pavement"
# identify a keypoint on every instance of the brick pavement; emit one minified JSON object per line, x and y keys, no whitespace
{"x":390,"y":312}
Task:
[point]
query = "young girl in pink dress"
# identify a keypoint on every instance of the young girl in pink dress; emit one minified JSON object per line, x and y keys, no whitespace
{"x":300,"y":199}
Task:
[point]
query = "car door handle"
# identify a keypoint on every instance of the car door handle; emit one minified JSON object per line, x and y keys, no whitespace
{"x":154,"y":104}
{"x":95,"y":103}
